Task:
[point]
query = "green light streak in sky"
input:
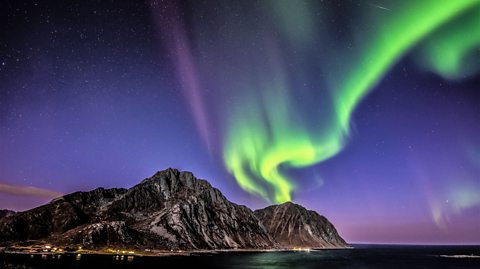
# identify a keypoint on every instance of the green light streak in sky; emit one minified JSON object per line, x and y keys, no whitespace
{"x":447,"y":51}
{"x":393,"y":37}
{"x":266,"y":134}
{"x":295,"y":19}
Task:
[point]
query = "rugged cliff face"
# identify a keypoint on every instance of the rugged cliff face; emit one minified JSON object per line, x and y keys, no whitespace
{"x":58,"y":216}
{"x":185,"y":212}
{"x":171,"y":210}
{"x":292,"y":226}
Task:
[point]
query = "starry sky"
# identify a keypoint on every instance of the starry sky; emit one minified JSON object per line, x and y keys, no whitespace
{"x":366,"y":111}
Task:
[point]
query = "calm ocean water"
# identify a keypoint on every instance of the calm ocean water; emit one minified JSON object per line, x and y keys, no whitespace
{"x":362,"y":256}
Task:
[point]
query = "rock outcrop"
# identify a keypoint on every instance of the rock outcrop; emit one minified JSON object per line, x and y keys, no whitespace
{"x":293,"y":226}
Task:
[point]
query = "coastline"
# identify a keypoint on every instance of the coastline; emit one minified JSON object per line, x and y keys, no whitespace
{"x":163,"y":253}
{"x":445,"y":257}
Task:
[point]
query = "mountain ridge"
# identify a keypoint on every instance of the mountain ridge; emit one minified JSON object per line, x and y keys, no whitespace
{"x":170,"y":210}
{"x":311,"y":229}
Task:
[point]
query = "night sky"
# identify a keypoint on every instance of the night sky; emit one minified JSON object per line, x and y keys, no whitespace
{"x":366,"y":111}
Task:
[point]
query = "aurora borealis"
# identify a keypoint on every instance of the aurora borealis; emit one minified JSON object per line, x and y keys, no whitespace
{"x":266,"y":135}
{"x":367,"y":111}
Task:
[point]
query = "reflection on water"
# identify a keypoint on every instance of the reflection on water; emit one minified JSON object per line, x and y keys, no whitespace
{"x":119,"y":258}
{"x":273,"y":260}
{"x":371,"y":257}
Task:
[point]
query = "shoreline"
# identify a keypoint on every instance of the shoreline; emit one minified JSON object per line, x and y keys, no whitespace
{"x":164,"y":253}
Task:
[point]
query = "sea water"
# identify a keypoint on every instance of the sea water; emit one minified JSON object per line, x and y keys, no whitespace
{"x":361,"y":256}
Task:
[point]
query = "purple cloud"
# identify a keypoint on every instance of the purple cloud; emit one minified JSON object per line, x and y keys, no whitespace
{"x":28,"y":191}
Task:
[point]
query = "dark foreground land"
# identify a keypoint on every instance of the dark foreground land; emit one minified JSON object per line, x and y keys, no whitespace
{"x":362,"y":256}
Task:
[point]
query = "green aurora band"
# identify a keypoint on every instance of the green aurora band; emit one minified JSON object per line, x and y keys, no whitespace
{"x":258,"y":148}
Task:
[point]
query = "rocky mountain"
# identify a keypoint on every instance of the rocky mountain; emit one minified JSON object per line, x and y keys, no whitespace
{"x":58,"y":216}
{"x":6,"y":213}
{"x":170,"y":210}
{"x":292,"y":225}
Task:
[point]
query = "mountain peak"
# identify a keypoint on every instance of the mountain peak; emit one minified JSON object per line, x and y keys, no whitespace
{"x":170,"y":210}
{"x":292,"y":225}
{"x":172,"y":176}
{"x":289,"y":204}
{"x":168,"y":171}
